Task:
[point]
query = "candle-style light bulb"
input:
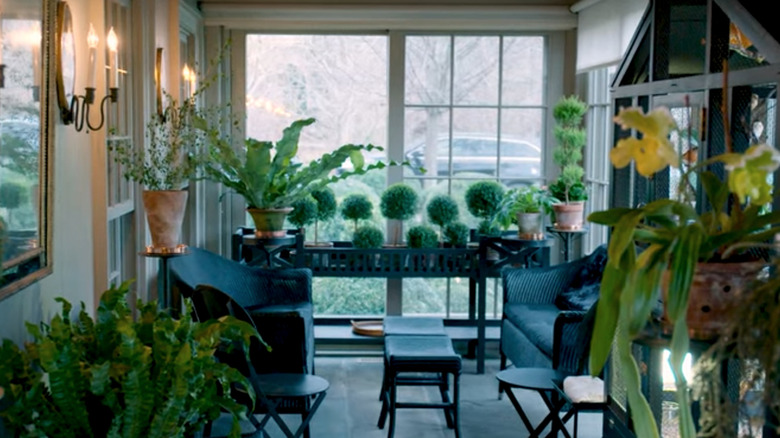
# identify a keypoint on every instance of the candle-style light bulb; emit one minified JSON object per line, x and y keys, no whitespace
{"x":92,"y":43}
{"x":113,"y":43}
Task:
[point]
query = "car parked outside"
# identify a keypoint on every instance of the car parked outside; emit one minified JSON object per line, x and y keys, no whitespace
{"x":474,"y":153}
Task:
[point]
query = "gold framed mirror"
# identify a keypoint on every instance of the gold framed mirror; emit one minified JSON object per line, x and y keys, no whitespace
{"x":26,"y":135}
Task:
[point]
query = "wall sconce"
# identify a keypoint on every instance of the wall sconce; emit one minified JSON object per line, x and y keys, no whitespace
{"x":76,"y":110}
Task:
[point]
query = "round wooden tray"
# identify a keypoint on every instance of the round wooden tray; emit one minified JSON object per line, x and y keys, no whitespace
{"x":368,"y":328}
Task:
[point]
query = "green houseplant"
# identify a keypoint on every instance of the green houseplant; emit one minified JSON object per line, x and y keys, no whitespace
{"x":356,"y":207}
{"x":526,"y":207}
{"x":368,"y":237}
{"x":482,"y":201}
{"x":163,"y":167}
{"x":666,"y":248}
{"x":442,"y":210}
{"x":267,"y":176}
{"x":326,"y":209}
{"x":116,"y":375}
{"x":398,"y":202}
{"x":456,"y":234}
{"x":422,"y":236}
{"x":570,"y":139}
{"x":304,"y":212}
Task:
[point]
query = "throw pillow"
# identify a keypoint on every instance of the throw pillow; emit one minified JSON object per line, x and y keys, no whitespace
{"x":582,"y":298}
{"x":591,"y":270}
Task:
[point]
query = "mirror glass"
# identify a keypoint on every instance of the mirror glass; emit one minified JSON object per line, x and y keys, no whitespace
{"x":24,"y":140}
{"x":66,"y":70}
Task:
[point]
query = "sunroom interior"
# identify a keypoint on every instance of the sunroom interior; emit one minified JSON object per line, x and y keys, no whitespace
{"x":478,"y":79}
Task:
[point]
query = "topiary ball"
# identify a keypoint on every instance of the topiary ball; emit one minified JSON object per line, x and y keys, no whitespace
{"x":487,"y":228}
{"x":368,"y":237}
{"x":326,"y":203}
{"x":422,"y":236}
{"x":12,"y":195}
{"x":304,"y":212}
{"x":457,"y":234}
{"x":399,"y":201}
{"x":356,"y":207}
{"x":442,"y":210}
{"x":483,"y":198}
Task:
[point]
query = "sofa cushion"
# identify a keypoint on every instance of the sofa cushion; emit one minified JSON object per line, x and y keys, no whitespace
{"x":584,"y":288}
{"x":536,"y":321}
{"x":578,"y":299}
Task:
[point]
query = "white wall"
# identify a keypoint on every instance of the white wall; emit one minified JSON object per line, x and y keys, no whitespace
{"x":79,"y":213}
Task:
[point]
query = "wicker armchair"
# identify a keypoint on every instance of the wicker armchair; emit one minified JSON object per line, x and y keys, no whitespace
{"x":278,"y":300}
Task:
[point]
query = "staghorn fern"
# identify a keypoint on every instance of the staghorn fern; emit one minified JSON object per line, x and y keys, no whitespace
{"x":116,"y":376}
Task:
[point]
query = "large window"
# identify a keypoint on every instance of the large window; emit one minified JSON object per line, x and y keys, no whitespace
{"x":474,"y":108}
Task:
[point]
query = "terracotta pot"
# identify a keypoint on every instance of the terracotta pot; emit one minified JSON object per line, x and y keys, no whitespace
{"x":569,"y":216}
{"x":716,"y":288}
{"x":165,"y":214}
{"x":530,"y":226}
{"x":269,"y":222}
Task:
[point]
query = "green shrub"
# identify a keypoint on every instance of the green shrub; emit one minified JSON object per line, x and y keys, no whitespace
{"x":442,"y":210}
{"x":457,"y":234}
{"x":356,"y":207}
{"x":487,"y":228}
{"x":368,"y":237}
{"x":399,"y":202}
{"x":304,"y":212}
{"x":571,"y":139}
{"x":422,"y":236}
{"x":483,"y":198}
{"x":326,"y":207}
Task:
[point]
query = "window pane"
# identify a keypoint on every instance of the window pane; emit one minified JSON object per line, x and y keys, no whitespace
{"x":474,"y":142}
{"x":341,"y":81}
{"x":427,"y":141}
{"x":428,"y":70}
{"x":476,"y":71}
{"x":523,"y":71}
{"x":521,"y":144}
{"x":349,"y":296}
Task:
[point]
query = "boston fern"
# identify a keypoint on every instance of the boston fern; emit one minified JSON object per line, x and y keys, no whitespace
{"x":153,"y":376}
{"x":265,"y":174}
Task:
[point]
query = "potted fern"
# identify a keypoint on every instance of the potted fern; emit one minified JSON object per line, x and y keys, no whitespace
{"x":269,"y":179}
{"x":117,"y":375}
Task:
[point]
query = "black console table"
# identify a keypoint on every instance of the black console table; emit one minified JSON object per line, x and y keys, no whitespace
{"x":477,"y":262}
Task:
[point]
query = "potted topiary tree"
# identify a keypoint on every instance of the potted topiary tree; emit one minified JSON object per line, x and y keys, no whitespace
{"x":399,"y":202}
{"x":482,"y":200}
{"x":356,"y":207}
{"x":368,"y":237}
{"x":422,"y":236}
{"x":456,"y":234}
{"x":326,"y":209}
{"x":442,"y":210}
{"x":304,"y":212}
{"x":569,"y":187}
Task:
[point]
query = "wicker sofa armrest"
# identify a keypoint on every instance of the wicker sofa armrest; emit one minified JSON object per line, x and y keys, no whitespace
{"x":571,"y":340}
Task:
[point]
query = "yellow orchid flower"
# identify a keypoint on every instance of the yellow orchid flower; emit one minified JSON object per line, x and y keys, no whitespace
{"x":653,"y":151}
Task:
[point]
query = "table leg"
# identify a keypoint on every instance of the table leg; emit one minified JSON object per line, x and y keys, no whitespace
{"x":481,"y":303}
{"x":510,"y":393}
{"x":163,"y":285}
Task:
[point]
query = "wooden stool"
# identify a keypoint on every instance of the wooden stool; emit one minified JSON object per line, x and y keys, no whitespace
{"x":420,"y":360}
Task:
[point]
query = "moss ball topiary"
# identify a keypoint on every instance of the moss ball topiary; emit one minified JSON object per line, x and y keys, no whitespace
{"x":422,"y":236}
{"x":367,"y":237}
{"x":442,"y":210}
{"x":304,"y":212}
{"x":356,"y":207}
{"x":457,"y":234}
{"x":483,"y":198}
{"x":399,"y":201}
{"x":487,"y":228}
